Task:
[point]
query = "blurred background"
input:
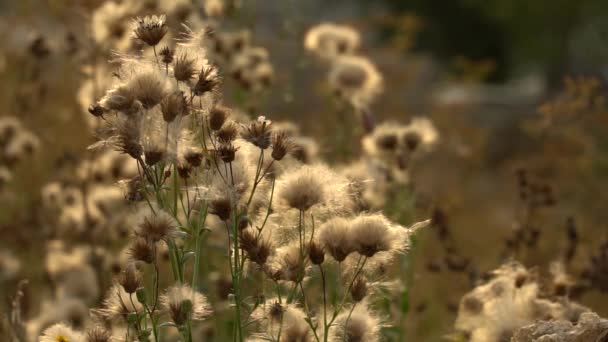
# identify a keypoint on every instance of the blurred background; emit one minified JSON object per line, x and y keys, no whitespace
{"x":514,"y":88}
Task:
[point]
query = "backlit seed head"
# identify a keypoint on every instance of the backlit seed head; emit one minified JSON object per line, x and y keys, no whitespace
{"x":96,"y":110}
{"x":184,"y":304}
{"x":98,"y":334}
{"x":130,"y":279}
{"x":141,"y":249}
{"x":258,"y":132}
{"x":316,"y":254}
{"x":184,"y":67}
{"x":208,"y":81}
{"x":154,"y":156}
{"x":156,"y":226}
{"x":174,"y":105}
{"x":359,"y":289}
{"x":194,"y":157}
{"x":167,"y":55}
{"x":227,"y":133}
{"x":303,"y":188}
{"x":226,"y":152}
{"x":336,"y":238}
{"x":150,"y":29}
{"x":221,"y":207}
{"x":281,"y":145}
{"x":217,"y":117}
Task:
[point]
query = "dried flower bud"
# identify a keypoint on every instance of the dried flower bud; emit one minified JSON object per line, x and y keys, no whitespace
{"x":258,"y":133}
{"x":358,"y":291}
{"x":316,"y":254}
{"x":227,"y":133}
{"x":142,"y":250}
{"x":153,"y":156}
{"x":208,"y":81}
{"x":98,"y":334}
{"x":257,"y":249}
{"x":226,"y":152}
{"x":387,"y":142}
{"x":412,"y":140}
{"x":96,"y":110}
{"x":184,"y":170}
{"x":194,"y":157}
{"x":217,"y":117}
{"x":167,"y":55}
{"x":130,"y":278}
{"x":184,"y":68}
{"x":281,"y":145}
{"x":221,"y":207}
{"x":150,"y":29}
{"x":173,"y":105}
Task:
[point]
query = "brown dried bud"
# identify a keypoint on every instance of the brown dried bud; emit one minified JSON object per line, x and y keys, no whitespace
{"x":96,"y":110}
{"x":167,"y":55}
{"x":173,"y":105}
{"x":387,"y":142}
{"x":258,"y":133}
{"x":221,"y":207}
{"x":194,"y":157}
{"x":227,"y":133}
{"x":217,"y":117}
{"x":226,"y":152}
{"x":184,"y":69}
{"x":153,"y":157}
{"x":208,"y":81}
{"x":281,"y":145}
{"x":358,"y":291}
{"x":316,"y":253}
{"x":184,"y":170}
{"x":130,"y":278}
{"x":99,"y":334}
{"x":412,"y":140}
{"x":142,"y":250}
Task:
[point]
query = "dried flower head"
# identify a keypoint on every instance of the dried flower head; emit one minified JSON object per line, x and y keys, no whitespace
{"x":60,"y":333}
{"x":184,"y":304}
{"x":356,"y":79}
{"x":149,"y":87}
{"x":303,"y":188}
{"x":118,"y":304}
{"x":156,"y":226}
{"x":131,"y":278}
{"x":150,"y":29}
{"x":281,"y":145}
{"x":330,"y":40}
{"x":257,"y":249}
{"x":258,"y":132}
{"x":227,"y":152}
{"x":336,"y":237}
{"x":372,"y":234}
{"x":227,"y":133}
{"x":316,"y":254}
{"x":98,"y":334}
{"x":174,"y":105}
{"x":184,"y":68}
{"x":217,"y":116}
{"x":359,"y":289}
{"x":167,"y":55}
{"x":360,"y":325}
{"x":208,"y":81}
{"x":221,"y":207}
{"x":142,"y":249}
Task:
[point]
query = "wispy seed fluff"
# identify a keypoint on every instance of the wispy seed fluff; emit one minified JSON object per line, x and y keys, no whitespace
{"x":119,"y":304}
{"x":330,"y":40}
{"x":156,"y":225}
{"x":304,"y":187}
{"x":182,"y":303}
{"x":61,"y":333}
{"x":372,"y":234}
{"x":356,"y":79}
{"x":336,"y":238}
{"x":361,"y":326}
{"x":287,"y":319}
